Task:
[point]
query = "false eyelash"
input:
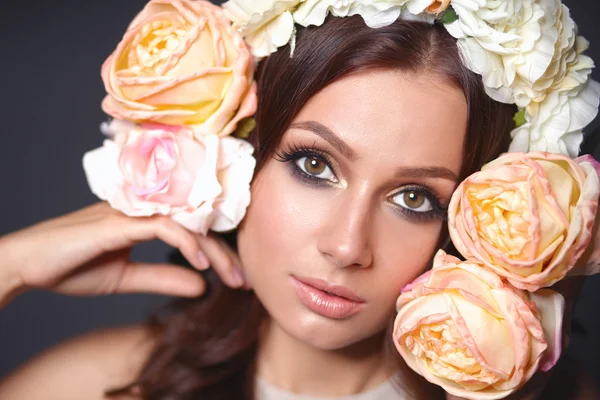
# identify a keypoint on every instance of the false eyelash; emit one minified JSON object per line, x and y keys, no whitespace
{"x":295,"y":152}
{"x":438,"y":210}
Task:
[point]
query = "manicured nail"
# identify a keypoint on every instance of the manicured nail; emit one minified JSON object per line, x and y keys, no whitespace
{"x":238,"y":277}
{"x":203,"y":260}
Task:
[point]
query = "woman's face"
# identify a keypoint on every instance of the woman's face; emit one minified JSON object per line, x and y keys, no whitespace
{"x":351,"y":207}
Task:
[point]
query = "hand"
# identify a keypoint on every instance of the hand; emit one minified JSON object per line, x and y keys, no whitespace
{"x":87,"y":253}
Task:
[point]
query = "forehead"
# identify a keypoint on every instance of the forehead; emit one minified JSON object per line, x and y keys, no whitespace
{"x":413,"y":119}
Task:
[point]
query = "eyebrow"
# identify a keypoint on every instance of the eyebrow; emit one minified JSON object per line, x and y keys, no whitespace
{"x":328,"y":135}
{"x":404,"y":172}
{"x":426,"y":172}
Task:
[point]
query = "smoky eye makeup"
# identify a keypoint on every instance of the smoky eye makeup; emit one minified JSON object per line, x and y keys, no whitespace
{"x":313,"y":166}
{"x":310,"y":165}
{"x":419,"y":203}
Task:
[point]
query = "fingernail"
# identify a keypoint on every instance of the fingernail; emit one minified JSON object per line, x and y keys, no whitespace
{"x":238,"y":277}
{"x":203,"y":260}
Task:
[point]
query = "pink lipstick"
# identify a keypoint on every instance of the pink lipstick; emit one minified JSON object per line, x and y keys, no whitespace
{"x":327,"y":299}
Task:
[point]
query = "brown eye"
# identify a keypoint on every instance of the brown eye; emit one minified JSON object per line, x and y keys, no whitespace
{"x":413,"y":200}
{"x":316,"y":168}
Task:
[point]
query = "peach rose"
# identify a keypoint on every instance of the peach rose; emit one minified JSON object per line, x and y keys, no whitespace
{"x":589,"y":263}
{"x":529,"y":217}
{"x":202,"y":183}
{"x":181,"y":63}
{"x":462,"y":328}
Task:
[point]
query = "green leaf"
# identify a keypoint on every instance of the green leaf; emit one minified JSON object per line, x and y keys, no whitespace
{"x":519,"y":118}
{"x":244,"y":128}
{"x":449,"y":16}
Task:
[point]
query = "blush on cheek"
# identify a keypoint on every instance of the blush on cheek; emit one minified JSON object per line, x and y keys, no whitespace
{"x":281,"y":219}
{"x":407,"y":252}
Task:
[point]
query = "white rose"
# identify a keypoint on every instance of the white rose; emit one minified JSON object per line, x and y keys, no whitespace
{"x":380,"y":13}
{"x":265,"y":24}
{"x":557,"y":125}
{"x":506,"y":41}
{"x":568,"y":69}
{"x":236,"y":167}
{"x":314,"y":12}
{"x":375,"y":13}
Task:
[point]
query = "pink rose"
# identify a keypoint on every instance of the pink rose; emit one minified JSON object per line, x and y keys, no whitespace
{"x":464,"y":329}
{"x":203,"y":183}
{"x":181,"y":63}
{"x":529,"y":217}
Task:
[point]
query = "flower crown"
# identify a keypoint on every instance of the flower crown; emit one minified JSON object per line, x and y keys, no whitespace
{"x":527,"y":52}
{"x":181,"y":92}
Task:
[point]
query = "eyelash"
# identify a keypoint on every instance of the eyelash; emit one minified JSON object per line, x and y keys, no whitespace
{"x":296,"y":152}
{"x":438,"y":210}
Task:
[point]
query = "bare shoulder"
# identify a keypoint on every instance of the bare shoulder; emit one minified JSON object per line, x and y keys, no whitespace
{"x":82,"y":368}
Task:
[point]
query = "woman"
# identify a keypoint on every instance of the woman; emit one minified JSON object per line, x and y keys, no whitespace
{"x":358,"y":154}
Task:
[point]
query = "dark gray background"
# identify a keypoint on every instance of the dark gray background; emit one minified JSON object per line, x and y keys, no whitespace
{"x":50,"y":57}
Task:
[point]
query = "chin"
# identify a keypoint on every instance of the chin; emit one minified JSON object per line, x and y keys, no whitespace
{"x":328,"y":339}
{"x":325,"y":333}
{"x":313,"y":327}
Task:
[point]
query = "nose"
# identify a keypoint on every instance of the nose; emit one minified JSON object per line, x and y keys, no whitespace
{"x":346,"y":232}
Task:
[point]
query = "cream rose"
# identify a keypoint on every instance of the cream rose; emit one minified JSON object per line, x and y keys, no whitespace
{"x":506,"y":41}
{"x":559,"y":120}
{"x":464,"y":329}
{"x":375,"y":13}
{"x":266,"y":25}
{"x":568,"y":69}
{"x":380,"y":13}
{"x":181,"y":63}
{"x":314,"y":12}
{"x":528,"y":54}
{"x":202,"y":183}
{"x":528,"y":217}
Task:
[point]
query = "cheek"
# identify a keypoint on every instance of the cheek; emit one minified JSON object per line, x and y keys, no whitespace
{"x":281,"y":219}
{"x":402,"y":252}
{"x":283,"y":222}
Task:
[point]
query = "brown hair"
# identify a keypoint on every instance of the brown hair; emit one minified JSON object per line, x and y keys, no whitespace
{"x":206,"y":346}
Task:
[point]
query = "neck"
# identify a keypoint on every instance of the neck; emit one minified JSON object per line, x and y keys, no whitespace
{"x":297,"y":367}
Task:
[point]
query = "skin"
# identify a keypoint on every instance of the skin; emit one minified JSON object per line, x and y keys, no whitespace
{"x":86,"y":252}
{"x":390,"y":120}
{"x":351,"y":232}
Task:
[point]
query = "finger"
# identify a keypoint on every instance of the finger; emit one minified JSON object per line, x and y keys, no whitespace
{"x":170,"y":232}
{"x":163,"y":279}
{"x":235,"y":258}
{"x":223,"y":260}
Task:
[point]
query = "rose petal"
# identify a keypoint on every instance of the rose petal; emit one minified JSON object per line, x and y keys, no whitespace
{"x":102,"y":171}
{"x":551,"y":306}
{"x":235,"y":177}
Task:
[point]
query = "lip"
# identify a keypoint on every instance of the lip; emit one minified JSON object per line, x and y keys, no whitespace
{"x":327,"y":299}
